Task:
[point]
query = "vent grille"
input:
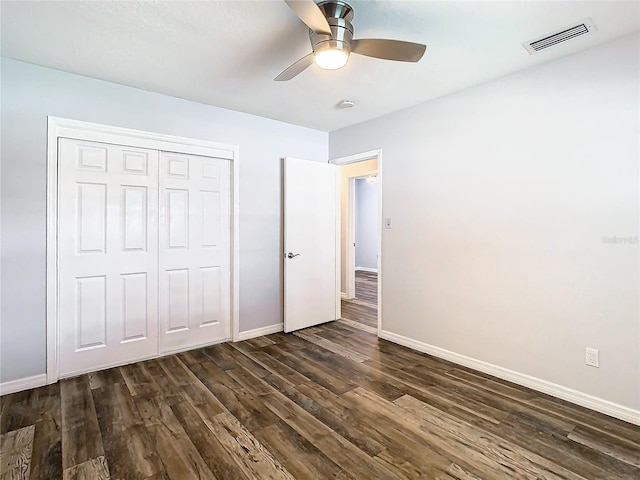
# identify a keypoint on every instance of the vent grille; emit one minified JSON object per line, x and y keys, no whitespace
{"x":565,"y":34}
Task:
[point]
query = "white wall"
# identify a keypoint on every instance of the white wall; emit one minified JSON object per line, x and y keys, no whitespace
{"x":30,"y":93}
{"x":366,"y":224}
{"x":500,"y":197}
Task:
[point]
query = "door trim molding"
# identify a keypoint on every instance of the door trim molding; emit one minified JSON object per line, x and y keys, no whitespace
{"x":360,"y":157}
{"x":66,"y":128}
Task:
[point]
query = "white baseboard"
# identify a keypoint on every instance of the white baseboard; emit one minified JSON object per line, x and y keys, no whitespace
{"x":366,"y":269}
{"x":23,"y":384}
{"x":579,"y":398}
{"x":259,"y":332}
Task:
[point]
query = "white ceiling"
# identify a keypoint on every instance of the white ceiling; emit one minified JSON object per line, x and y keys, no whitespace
{"x":227,"y":53}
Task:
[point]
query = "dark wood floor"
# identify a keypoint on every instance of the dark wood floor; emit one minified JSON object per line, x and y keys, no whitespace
{"x":364,"y":307}
{"x":367,"y":286}
{"x":328,"y":402}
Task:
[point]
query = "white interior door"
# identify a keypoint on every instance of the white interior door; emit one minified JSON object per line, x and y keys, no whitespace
{"x":311,"y":242}
{"x":107,"y":237}
{"x":194,"y":251}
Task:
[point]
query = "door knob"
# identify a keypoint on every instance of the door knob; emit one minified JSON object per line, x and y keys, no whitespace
{"x":291,"y":255}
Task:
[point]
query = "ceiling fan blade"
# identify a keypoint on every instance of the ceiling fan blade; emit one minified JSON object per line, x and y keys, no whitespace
{"x":388,"y":49}
{"x":293,"y":70}
{"x":310,"y":14}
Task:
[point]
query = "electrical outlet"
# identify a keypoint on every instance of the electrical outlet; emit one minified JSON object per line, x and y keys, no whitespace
{"x":592,"y":357}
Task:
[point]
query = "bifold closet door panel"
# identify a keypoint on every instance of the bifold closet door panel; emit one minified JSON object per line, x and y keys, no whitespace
{"x":194,"y":257}
{"x":107,"y":255}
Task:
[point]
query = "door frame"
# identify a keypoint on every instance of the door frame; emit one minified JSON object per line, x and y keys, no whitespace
{"x":66,"y":128}
{"x":350,"y":253}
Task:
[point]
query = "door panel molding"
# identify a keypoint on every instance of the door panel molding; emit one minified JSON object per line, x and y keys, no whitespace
{"x":85,"y":131}
{"x":194,"y":241}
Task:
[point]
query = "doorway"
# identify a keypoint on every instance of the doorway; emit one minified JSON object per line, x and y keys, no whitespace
{"x":361,"y":177}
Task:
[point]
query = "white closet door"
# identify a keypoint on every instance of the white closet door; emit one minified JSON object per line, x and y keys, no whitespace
{"x":107,"y":254}
{"x":194,"y":251}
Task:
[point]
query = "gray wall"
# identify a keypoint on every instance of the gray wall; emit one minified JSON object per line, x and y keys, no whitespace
{"x":500,"y":197}
{"x":30,"y":93}
{"x":366,"y":224}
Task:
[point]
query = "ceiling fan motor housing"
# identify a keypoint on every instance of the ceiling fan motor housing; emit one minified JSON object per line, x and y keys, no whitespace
{"x":339,"y":15}
{"x":331,"y":36}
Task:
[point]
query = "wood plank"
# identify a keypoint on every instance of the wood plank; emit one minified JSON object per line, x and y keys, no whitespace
{"x":221,"y":462}
{"x":81,"y":438}
{"x":353,"y":373}
{"x":584,"y":461}
{"x":16,"y":448}
{"x":192,"y":389}
{"x":244,"y":405}
{"x":252,"y":457}
{"x":365,"y":313}
{"x":361,"y":326}
{"x":138,"y":380}
{"x":5,"y":406}
{"x":296,"y":453}
{"x":46,"y":460}
{"x":105,"y":377}
{"x":624,"y":450}
{"x":18,"y":410}
{"x":243,"y":360}
{"x":332,"y":347}
{"x":274,"y":366}
{"x":94,"y":469}
{"x":161,"y":383}
{"x":456,"y":472}
{"x":352,"y":459}
{"x":291,"y":342}
{"x":128,"y":447}
{"x":180,"y":458}
{"x":367,"y":286}
{"x":595,"y":420}
{"x":319,"y":375}
{"x":295,"y":409}
{"x":492,"y":456}
{"x":260,"y":342}
{"x":350,"y":423}
{"x":378,"y":436}
{"x":220,"y":357}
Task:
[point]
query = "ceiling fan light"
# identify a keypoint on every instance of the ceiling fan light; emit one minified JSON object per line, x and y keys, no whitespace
{"x":331,"y":59}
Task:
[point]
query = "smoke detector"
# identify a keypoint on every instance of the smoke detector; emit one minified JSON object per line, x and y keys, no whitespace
{"x":345,"y":104}
{"x":560,"y":36}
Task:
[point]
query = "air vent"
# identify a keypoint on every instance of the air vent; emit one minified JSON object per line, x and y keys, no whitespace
{"x":565,"y":34}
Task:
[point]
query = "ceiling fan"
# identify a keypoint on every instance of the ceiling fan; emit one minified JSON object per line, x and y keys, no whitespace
{"x":331,"y":35}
